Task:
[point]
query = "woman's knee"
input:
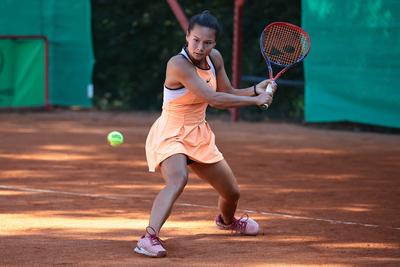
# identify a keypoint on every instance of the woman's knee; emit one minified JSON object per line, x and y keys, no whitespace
{"x":177,"y":181}
{"x":175,"y":173}
{"x":232,"y":195}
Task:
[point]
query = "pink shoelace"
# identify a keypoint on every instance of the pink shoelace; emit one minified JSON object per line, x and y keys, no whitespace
{"x":155,"y":240}
{"x":239,"y":225}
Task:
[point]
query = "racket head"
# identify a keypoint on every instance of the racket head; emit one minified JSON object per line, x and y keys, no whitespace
{"x":284,"y":44}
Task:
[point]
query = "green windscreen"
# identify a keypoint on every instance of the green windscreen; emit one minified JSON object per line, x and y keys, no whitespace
{"x":353,"y":67}
{"x":67,"y":26}
{"x":22,"y":73}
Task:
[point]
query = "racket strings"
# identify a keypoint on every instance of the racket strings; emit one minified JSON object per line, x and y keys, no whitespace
{"x":284,"y":45}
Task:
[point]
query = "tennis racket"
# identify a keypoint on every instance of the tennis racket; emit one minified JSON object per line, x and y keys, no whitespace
{"x":284,"y":45}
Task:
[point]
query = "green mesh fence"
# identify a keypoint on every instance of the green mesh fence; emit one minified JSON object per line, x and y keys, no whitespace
{"x":353,"y":68}
{"x":67,"y":26}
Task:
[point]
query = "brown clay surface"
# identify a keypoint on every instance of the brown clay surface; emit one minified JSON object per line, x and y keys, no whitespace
{"x":69,"y":199}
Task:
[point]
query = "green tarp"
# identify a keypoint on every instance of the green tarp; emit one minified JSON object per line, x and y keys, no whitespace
{"x":353,"y":67}
{"x":67,"y":26}
{"x":22,"y":73}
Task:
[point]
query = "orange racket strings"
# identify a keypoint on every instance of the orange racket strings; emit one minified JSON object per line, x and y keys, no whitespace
{"x":284,"y":45}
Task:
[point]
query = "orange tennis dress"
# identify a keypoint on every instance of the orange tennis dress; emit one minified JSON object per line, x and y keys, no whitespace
{"x":182,"y":127}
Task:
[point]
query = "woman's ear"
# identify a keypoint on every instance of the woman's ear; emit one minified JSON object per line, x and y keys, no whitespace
{"x":187,"y":36}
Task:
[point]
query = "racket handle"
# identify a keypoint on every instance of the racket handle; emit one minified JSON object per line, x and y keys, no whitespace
{"x":268,"y":90}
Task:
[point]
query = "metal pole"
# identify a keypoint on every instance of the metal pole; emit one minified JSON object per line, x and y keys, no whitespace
{"x":179,"y":14}
{"x":237,"y":52}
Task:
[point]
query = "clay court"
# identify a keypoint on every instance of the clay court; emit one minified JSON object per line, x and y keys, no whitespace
{"x":322,"y":197}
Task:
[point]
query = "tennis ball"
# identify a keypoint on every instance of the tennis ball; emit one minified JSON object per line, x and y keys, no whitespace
{"x":115,"y":138}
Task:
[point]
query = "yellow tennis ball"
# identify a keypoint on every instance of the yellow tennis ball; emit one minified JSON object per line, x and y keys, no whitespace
{"x":115,"y":138}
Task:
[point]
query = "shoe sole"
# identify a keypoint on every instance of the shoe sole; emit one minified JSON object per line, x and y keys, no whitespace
{"x":149,"y":254}
{"x":223,"y":227}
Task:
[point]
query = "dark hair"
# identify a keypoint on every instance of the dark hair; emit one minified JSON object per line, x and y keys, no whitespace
{"x":207,"y":20}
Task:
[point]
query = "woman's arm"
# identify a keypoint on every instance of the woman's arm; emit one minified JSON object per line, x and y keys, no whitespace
{"x":180,"y":71}
{"x":224,"y":85}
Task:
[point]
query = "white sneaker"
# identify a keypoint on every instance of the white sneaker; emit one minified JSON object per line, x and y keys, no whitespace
{"x":244,"y":225}
{"x":150,"y":245}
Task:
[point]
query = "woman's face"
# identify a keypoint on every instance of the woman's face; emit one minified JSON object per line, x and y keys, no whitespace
{"x":201,"y":40}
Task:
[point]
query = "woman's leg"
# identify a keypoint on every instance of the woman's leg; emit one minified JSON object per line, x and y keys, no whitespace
{"x":174,"y":172}
{"x":220,"y":176}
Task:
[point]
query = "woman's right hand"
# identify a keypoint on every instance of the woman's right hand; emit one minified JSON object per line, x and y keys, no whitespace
{"x":264,"y":98}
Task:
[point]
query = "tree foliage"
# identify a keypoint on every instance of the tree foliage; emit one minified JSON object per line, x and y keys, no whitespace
{"x":133,"y":41}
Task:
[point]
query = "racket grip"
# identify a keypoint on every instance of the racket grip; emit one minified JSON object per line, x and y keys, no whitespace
{"x":268,"y":90}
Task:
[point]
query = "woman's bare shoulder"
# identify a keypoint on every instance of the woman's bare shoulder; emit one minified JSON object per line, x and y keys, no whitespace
{"x":177,"y":62}
{"x":178,"y":69}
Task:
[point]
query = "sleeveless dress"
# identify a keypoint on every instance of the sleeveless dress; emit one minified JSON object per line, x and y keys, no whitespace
{"x":182,"y":127}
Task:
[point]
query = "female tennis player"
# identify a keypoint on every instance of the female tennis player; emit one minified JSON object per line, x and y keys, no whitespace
{"x":181,"y":137}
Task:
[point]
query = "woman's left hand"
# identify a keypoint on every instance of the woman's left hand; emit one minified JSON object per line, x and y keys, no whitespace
{"x":262,"y":86}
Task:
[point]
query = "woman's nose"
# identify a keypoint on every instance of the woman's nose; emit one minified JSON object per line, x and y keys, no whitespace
{"x":200,"y":46}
